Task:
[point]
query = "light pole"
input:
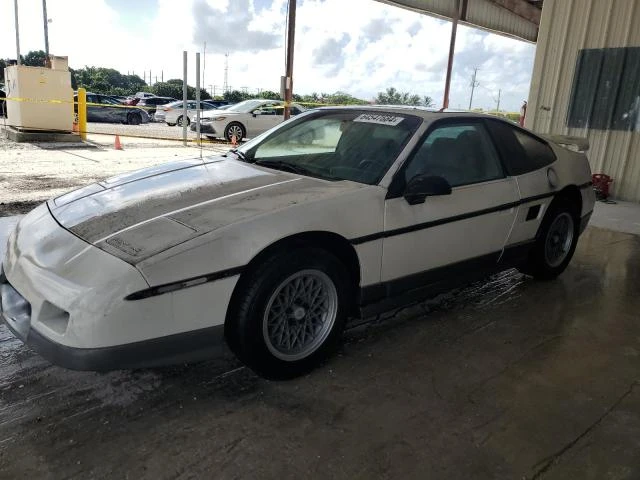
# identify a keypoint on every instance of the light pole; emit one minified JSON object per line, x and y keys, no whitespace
{"x":15,"y":9}
{"x":45,"y":21}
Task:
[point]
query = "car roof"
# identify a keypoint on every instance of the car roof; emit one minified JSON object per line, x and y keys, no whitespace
{"x":427,"y":113}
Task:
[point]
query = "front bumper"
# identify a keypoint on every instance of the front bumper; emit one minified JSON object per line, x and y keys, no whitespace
{"x":66,"y":299}
{"x":204,"y":128}
{"x":180,"y":348}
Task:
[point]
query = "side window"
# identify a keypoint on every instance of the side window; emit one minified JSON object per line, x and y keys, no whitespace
{"x":538,"y":153}
{"x":521,"y":152}
{"x":462,"y":153}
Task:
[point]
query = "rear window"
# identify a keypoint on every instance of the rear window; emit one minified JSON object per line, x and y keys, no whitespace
{"x":520,"y":151}
{"x":538,"y":152}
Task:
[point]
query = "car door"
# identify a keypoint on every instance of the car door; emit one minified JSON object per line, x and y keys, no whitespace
{"x":444,"y":235}
{"x":270,"y":115}
{"x":529,"y":160}
{"x":93,"y":110}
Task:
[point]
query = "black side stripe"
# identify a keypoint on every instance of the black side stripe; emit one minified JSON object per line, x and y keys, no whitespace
{"x":444,"y":221}
{"x":187,"y":283}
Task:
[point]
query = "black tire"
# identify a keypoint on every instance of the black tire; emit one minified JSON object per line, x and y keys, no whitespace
{"x":134,"y":119}
{"x":179,"y":121}
{"x":171,"y":124}
{"x":228,"y":131}
{"x":539,"y":264}
{"x":245,"y":328}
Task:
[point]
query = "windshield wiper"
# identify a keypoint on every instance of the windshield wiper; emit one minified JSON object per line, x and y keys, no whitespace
{"x":239,"y":154}
{"x":290,"y":167}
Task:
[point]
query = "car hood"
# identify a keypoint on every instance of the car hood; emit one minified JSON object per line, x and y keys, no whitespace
{"x":137,"y":215}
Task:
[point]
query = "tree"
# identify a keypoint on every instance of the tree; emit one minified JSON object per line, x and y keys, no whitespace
{"x":428,"y":101}
{"x":35,"y":58}
{"x":235,"y":96}
{"x":173,"y":88}
{"x":394,"y":97}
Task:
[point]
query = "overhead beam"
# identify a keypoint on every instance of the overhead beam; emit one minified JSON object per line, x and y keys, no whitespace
{"x":521,"y":8}
{"x":520,"y":19}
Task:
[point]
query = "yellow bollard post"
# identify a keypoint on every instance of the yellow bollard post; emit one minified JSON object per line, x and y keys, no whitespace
{"x":82,"y":113}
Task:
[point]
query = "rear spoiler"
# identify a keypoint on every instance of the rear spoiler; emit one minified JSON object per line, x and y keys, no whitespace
{"x":580,"y":143}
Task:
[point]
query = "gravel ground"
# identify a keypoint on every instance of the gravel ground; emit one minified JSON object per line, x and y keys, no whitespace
{"x":31,"y":173}
{"x":150,"y":130}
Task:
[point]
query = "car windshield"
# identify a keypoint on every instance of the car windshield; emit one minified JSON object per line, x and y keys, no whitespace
{"x":246,"y":106}
{"x":351,"y":145}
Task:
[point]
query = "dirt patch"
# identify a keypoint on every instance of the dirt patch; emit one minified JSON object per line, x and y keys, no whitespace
{"x":17,"y":208}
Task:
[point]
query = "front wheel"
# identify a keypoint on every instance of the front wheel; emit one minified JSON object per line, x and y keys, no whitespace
{"x":290,"y":313}
{"x":180,"y":121}
{"x":234,"y":129}
{"x":556,"y":242}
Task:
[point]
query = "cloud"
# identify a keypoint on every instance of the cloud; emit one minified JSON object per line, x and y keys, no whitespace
{"x":331,"y":53}
{"x":377,"y":28}
{"x":414,"y":28}
{"x":229,"y":30}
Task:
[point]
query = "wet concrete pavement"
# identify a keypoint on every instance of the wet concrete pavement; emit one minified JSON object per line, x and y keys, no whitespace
{"x":508,"y":378}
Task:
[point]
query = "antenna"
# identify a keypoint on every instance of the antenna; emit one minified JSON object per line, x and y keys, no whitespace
{"x":226,"y":73}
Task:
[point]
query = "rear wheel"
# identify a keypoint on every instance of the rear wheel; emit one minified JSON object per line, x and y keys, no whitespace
{"x":171,"y":124}
{"x":289,"y":313}
{"x":556,"y":241}
{"x":180,"y":121}
{"x":134,"y":119}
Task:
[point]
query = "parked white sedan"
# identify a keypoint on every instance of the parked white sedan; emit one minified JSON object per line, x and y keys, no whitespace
{"x":340,"y":212}
{"x":244,"y":119}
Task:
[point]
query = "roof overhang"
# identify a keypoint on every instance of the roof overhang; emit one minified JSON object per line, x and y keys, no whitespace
{"x":513,"y":18}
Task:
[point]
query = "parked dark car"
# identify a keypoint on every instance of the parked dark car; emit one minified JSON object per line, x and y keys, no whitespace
{"x":104,"y":108}
{"x":150,"y":104}
{"x":2,"y":103}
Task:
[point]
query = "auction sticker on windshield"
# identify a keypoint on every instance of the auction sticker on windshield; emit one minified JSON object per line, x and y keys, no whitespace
{"x":379,"y":118}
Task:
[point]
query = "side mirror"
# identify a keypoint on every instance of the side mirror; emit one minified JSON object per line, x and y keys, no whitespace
{"x":255,"y":113}
{"x":422,"y":186}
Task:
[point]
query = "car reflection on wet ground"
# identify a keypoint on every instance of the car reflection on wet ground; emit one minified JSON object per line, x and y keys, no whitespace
{"x":507,"y":378}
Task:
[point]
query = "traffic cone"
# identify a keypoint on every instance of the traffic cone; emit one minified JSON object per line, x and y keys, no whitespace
{"x":234,"y":141}
{"x":118,"y":145}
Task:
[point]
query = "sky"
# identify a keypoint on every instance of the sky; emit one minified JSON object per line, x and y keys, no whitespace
{"x":357,"y":46}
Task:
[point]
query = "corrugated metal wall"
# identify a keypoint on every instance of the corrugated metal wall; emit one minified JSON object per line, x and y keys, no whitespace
{"x":567,"y":26}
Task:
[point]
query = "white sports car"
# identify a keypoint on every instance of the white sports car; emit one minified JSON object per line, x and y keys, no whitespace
{"x":336,"y":213}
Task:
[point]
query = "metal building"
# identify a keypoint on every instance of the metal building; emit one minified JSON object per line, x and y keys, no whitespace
{"x":586,"y":82}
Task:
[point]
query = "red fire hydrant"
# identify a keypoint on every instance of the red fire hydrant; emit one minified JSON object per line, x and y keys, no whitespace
{"x":601,"y":183}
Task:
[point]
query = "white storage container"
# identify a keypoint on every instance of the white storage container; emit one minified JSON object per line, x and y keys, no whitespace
{"x":44,"y":98}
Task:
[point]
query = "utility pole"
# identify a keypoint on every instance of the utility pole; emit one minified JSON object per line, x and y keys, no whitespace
{"x":291,"y":36}
{"x":47,"y":62}
{"x":225,"y":88}
{"x":499,"y":94}
{"x":204,"y":61}
{"x":162,"y":76}
{"x":474,"y":84}
{"x":15,"y":10}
